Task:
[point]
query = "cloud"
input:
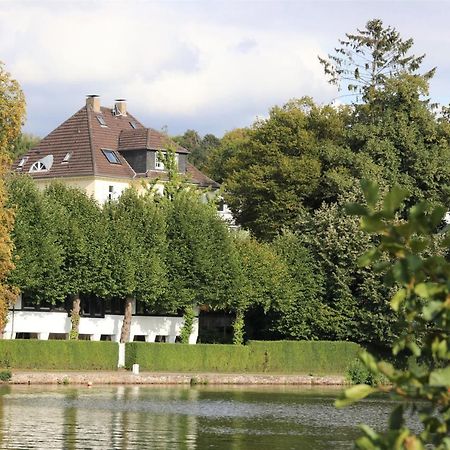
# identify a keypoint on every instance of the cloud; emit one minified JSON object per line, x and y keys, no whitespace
{"x":164,"y":60}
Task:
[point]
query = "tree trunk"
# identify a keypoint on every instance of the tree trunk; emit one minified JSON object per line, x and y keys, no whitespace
{"x":126,"y":325}
{"x":75,"y":317}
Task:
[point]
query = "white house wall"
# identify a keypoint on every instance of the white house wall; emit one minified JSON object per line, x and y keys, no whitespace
{"x":42,"y":323}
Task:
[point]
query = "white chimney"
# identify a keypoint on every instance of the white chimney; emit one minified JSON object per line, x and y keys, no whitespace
{"x":93,"y":103}
{"x":120,"y":107}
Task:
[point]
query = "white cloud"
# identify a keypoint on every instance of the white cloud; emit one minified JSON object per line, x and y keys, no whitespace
{"x":161,"y":59}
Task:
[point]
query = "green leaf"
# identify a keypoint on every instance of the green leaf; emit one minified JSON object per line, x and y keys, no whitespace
{"x":396,"y":419}
{"x":398,"y":298}
{"x":394,"y":198}
{"x":372,"y":224}
{"x":370,"y":191}
{"x":368,"y":257}
{"x":431,"y":310}
{"x":355,"y":209}
{"x":440,"y":377}
{"x":415,"y":349}
{"x":354,"y":394}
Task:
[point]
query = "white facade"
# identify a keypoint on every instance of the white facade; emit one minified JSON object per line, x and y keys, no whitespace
{"x":49,"y":324}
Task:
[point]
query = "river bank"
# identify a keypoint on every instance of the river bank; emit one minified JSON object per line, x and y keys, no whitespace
{"x":124,"y":377}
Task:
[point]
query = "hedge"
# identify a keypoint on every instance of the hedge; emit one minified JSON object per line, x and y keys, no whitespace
{"x":305,"y":357}
{"x":58,"y":355}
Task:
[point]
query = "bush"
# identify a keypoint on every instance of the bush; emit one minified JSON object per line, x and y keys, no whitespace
{"x":58,"y":355}
{"x":5,"y":375}
{"x":358,"y":373}
{"x":305,"y":357}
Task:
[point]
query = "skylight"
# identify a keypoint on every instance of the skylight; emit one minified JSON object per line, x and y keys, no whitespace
{"x":133,"y":124}
{"x":101,"y":121}
{"x":111,"y":156}
{"x":67,"y":157}
{"x":22,"y":162}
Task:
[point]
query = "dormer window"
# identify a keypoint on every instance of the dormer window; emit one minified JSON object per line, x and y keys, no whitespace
{"x":38,"y":167}
{"x":102,"y":122}
{"x":43,"y":165}
{"x":22,"y":162}
{"x":66,"y":158}
{"x":111,"y":156}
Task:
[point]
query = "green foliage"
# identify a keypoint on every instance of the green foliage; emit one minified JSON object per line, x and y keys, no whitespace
{"x":5,"y":375}
{"x":291,"y":163}
{"x":37,"y":254}
{"x":238,"y":328}
{"x":188,"y":322}
{"x":422,"y":304}
{"x":201,"y":262}
{"x":354,"y":304}
{"x":199,"y":147}
{"x":368,"y":59}
{"x":58,"y":355}
{"x":23,"y":144}
{"x":358,"y":373}
{"x":303,"y":316}
{"x":302,"y":357}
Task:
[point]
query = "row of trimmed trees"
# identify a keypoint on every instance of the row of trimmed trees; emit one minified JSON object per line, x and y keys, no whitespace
{"x":173,"y":253}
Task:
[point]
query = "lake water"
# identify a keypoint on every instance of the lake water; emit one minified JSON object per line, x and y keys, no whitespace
{"x":200,"y":417}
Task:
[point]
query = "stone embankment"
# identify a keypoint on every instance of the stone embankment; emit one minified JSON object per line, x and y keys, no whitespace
{"x":125,"y":377}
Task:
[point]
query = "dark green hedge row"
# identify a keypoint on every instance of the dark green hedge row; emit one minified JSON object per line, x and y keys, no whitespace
{"x":58,"y":355}
{"x":304,"y":357}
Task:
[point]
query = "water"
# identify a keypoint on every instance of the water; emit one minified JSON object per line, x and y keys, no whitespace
{"x":137,"y":417}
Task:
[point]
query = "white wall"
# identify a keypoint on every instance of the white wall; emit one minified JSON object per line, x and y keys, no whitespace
{"x":43,"y":323}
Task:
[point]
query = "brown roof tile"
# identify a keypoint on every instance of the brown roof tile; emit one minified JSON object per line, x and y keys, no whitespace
{"x":84,"y":136}
{"x":146,"y":138}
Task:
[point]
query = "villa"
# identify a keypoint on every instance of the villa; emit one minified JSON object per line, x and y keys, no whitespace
{"x":102,"y":151}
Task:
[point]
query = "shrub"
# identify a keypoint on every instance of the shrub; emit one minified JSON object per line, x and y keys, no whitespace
{"x":305,"y":357}
{"x":5,"y":375}
{"x":58,"y":355}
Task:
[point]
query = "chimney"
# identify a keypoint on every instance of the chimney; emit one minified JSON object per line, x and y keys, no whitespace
{"x":93,"y":103}
{"x":120,"y":107}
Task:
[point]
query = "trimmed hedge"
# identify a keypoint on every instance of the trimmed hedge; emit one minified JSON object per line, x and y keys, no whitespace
{"x":305,"y":357}
{"x":58,"y":355}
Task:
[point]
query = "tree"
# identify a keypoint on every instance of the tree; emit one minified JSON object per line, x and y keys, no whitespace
{"x":23,"y":144}
{"x":291,"y":163}
{"x":306,"y":316}
{"x":199,"y":147}
{"x":201,"y":262}
{"x":38,"y":255}
{"x":422,"y":303}
{"x":266,"y":285}
{"x":354,"y":302}
{"x":12,"y":112}
{"x":136,"y":247}
{"x":367,"y":59}
{"x":80,"y":232}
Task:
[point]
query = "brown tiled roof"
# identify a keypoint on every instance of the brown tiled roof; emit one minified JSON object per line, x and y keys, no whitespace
{"x":146,"y":138}
{"x":84,"y":136}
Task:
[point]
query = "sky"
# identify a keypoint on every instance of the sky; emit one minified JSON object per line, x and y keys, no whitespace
{"x":210,"y":65}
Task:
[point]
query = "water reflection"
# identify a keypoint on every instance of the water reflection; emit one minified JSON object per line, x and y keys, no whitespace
{"x":180,"y":418}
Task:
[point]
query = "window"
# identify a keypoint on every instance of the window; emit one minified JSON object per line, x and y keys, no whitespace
{"x":111,"y":193}
{"x":133,"y":124}
{"x":102,"y":122}
{"x":43,"y":165}
{"x":22,"y":162}
{"x":111,"y":156}
{"x":67,"y":157}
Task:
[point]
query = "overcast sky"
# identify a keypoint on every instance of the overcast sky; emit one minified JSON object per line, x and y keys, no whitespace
{"x":207,"y":65}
